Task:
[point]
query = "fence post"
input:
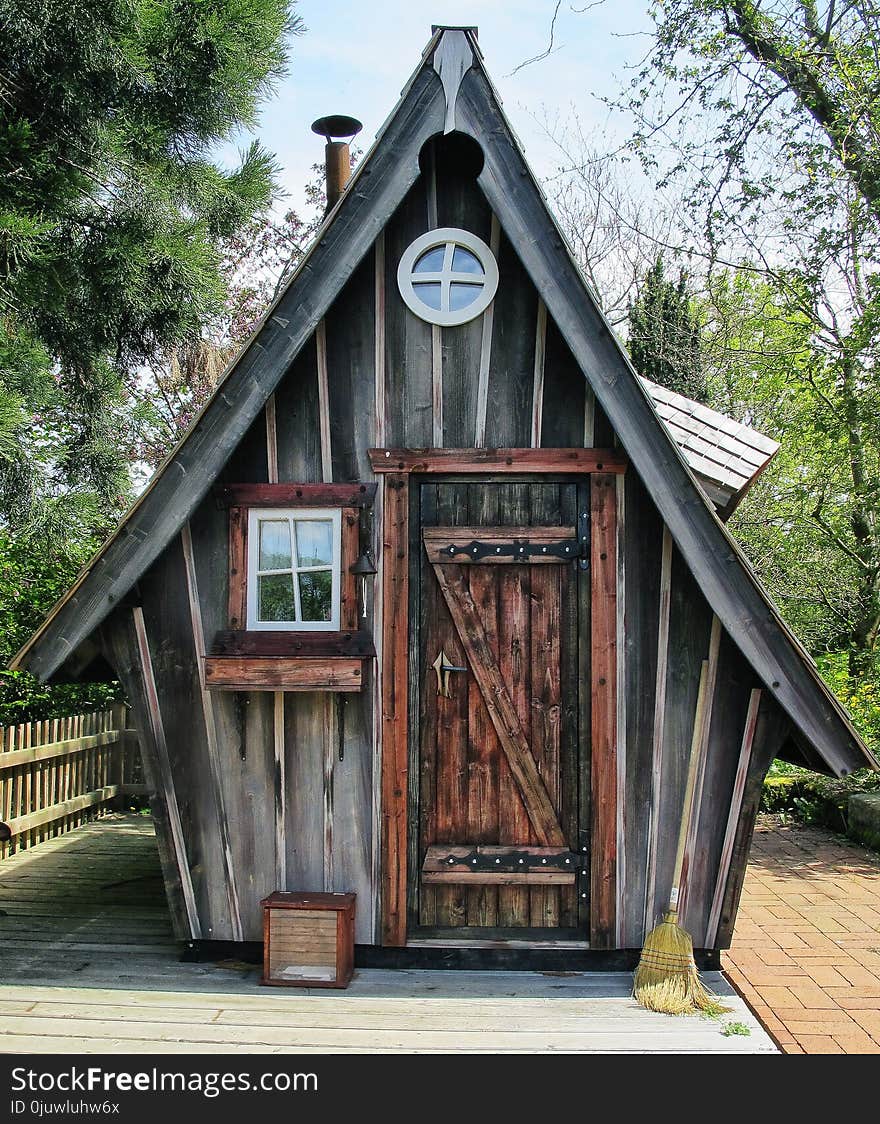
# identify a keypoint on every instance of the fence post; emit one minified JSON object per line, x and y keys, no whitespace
{"x":121,"y":767}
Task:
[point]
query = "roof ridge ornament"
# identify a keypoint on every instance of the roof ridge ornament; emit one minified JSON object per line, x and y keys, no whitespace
{"x":453,"y":58}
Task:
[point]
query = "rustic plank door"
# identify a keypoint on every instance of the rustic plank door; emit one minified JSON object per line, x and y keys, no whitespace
{"x":503,"y":788}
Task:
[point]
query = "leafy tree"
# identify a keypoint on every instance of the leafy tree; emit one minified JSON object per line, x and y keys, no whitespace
{"x":111,"y":213}
{"x":664,"y":334}
{"x":797,"y":523}
{"x":169,"y":392}
{"x":762,"y":118}
{"x":30,"y":582}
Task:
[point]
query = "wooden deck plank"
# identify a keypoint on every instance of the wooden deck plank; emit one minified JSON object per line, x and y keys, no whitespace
{"x":104,"y":976}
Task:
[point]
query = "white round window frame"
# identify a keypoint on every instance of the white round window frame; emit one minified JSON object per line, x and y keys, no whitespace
{"x":429,"y":241}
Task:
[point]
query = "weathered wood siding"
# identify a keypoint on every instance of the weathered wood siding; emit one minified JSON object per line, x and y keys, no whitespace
{"x":288,"y":786}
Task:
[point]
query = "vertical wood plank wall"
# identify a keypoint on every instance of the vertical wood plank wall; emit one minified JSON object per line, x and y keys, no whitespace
{"x":297,"y":814}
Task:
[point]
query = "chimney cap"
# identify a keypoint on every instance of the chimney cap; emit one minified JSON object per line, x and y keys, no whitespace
{"x":336,"y":125}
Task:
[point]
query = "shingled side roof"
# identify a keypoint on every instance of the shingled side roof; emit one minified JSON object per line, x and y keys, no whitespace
{"x":450,"y":88}
{"x":725,"y":456}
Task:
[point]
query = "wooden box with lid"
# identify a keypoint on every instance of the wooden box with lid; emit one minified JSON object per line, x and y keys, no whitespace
{"x":308,"y":939}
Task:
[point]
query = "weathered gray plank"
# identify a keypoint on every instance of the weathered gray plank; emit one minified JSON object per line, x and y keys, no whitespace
{"x":408,"y":345}
{"x":653,"y":826}
{"x":460,"y":203}
{"x":215,"y":750}
{"x":352,"y":810}
{"x":734,"y":685}
{"x":119,"y":643}
{"x":304,"y":768}
{"x":351,"y":357}
{"x":735,"y":808}
{"x":512,"y":365}
{"x":168,"y":622}
{"x":565,"y":387}
{"x":643,"y":533}
{"x":689,"y":626}
{"x":297,"y":421}
{"x":773,"y":728}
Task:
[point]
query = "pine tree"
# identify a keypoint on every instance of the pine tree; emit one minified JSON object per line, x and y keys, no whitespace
{"x":112,"y":210}
{"x":664,"y":335}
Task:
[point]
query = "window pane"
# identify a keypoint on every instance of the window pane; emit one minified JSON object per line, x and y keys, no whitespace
{"x":463,"y":261}
{"x":431,"y":262}
{"x":460,"y":296}
{"x":274,"y":544}
{"x":276,"y":598}
{"x":429,"y":293}
{"x":314,"y":542}
{"x":315,"y":595}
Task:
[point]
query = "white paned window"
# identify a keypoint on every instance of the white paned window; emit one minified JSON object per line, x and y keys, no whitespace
{"x":294,"y":569}
{"x":448,"y":276}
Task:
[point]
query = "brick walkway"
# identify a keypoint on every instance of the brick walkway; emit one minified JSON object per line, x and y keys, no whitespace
{"x":806,"y":949}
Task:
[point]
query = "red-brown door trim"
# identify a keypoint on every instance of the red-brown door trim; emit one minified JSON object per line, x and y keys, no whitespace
{"x":394,"y":725}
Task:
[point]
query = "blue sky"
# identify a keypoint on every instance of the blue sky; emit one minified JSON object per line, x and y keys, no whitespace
{"x":355,"y":57}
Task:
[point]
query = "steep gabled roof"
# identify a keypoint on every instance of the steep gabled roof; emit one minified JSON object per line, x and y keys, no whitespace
{"x":450,"y":89}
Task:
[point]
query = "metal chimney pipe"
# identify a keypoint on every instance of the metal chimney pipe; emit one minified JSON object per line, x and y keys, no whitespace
{"x":337,"y":155}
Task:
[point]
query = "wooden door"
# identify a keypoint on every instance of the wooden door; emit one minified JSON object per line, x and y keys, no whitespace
{"x":502,"y":787}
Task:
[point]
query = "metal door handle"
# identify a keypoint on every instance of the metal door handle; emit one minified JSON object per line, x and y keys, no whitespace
{"x":443,"y":667}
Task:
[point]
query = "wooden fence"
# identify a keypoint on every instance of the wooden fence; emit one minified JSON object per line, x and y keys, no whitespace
{"x":59,"y":773}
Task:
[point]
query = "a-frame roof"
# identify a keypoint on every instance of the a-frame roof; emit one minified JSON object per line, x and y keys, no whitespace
{"x":450,"y":89}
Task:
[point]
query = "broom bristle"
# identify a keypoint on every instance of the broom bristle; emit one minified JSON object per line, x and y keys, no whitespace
{"x":667,"y":979}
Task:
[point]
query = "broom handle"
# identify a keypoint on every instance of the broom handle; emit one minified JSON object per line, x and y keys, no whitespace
{"x":690,"y":788}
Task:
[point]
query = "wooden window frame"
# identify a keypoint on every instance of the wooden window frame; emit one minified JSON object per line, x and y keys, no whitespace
{"x":396,"y":467}
{"x":294,"y":515}
{"x":290,"y":658}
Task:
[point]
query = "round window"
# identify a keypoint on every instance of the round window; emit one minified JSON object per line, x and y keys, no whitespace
{"x":448,"y":276}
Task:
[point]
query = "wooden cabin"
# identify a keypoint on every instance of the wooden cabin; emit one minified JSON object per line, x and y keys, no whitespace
{"x":419,"y":607}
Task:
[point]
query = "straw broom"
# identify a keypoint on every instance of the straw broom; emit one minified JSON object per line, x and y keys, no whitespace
{"x":667,"y":979}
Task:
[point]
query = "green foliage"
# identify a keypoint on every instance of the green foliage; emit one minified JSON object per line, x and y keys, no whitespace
{"x":798,"y":793}
{"x":762,"y":120}
{"x":166,"y":396}
{"x":860,"y":696}
{"x":733,"y":1028}
{"x":32,"y":577}
{"x":111,"y":213}
{"x":664,"y":334}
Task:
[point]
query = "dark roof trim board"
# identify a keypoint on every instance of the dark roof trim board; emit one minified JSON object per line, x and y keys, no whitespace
{"x":376,"y":190}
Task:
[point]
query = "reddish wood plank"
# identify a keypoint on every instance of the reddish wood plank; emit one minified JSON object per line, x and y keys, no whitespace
{"x":485,"y":759}
{"x":349,"y":615}
{"x":499,"y":704}
{"x":603,"y":651}
{"x":275,"y":673}
{"x":238,"y":524}
{"x":504,"y":540}
{"x":514,"y":659}
{"x":444,"y":737}
{"x":395,"y":646}
{"x":497,"y":460}
{"x":545,"y":661}
{"x":295,"y":495}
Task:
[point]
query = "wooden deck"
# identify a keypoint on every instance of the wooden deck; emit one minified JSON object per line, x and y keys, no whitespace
{"x":89,"y":966}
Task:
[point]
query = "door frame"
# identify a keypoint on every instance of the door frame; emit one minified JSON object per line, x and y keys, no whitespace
{"x":399,"y":470}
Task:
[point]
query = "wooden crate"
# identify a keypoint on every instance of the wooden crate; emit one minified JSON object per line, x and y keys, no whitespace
{"x":308,"y":939}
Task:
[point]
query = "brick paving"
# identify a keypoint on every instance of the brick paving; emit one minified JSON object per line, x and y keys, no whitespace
{"x":806,"y":948}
